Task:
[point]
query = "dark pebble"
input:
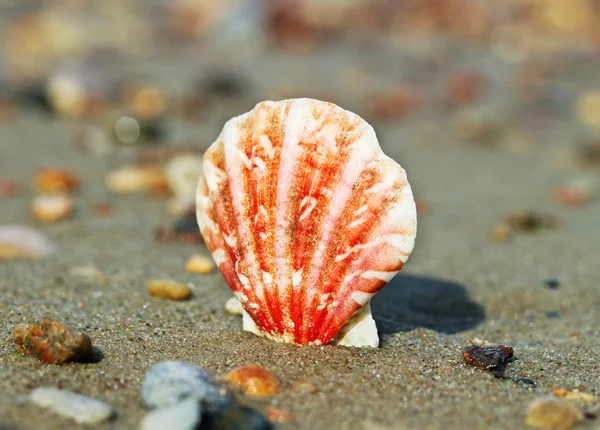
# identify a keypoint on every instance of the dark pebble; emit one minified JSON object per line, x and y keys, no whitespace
{"x":236,"y":418}
{"x":553,"y":314}
{"x":552,"y":283}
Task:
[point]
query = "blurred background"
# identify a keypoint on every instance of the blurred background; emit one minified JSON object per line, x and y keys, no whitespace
{"x":145,"y":83}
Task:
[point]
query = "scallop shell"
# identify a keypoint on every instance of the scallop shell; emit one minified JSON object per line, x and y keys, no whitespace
{"x":306,"y":218}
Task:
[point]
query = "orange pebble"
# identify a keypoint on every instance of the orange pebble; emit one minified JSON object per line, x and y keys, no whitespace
{"x":50,"y":179}
{"x":254,"y":380}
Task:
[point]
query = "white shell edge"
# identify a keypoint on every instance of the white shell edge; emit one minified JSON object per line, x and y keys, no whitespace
{"x":360,"y":331}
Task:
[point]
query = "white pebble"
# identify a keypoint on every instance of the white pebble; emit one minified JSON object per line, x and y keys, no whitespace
{"x":183,"y":416}
{"x":82,"y":409}
{"x":233,"y":306}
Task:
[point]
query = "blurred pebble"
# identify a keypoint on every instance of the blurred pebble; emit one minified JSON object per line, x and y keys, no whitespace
{"x":51,"y":208}
{"x":575,"y":395}
{"x":394,"y":104}
{"x":170,"y":382}
{"x":178,"y":208}
{"x":82,"y":409}
{"x":127,"y":129}
{"x":423,"y":208}
{"x":234,"y":306}
{"x":552,"y":283}
{"x":576,"y":192}
{"x":238,"y":418}
{"x":588,"y":109}
{"x":8,"y":188}
{"x":52,"y":342}
{"x":169,"y":289}
{"x":254,"y":380}
{"x":276,"y":415}
{"x":530,"y":221}
{"x":133,"y":179}
{"x":182,"y":173}
{"x":182,"y":416}
{"x":478,"y":127}
{"x":103,"y":209}
{"x":305,"y":387}
{"x":18,"y":241}
{"x":501,"y":232}
{"x":465,"y":87}
{"x":90,"y":273}
{"x":50,"y":180}
{"x":145,"y":101}
{"x":553,"y":414}
{"x":199,"y":264}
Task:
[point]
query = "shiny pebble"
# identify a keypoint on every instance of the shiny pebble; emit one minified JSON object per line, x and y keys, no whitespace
{"x":170,"y":382}
{"x":82,"y":409}
{"x":182,"y":416}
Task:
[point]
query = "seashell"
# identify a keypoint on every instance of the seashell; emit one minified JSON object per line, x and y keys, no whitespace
{"x":306,"y":218}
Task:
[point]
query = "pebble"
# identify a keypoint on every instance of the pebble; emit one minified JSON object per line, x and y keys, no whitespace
{"x":182,"y":416}
{"x":133,"y":179}
{"x":199,"y":264}
{"x":182,"y":173}
{"x":19,"y":241}
{"x":501,"y":232}
{"x":254,"y":380}
{"x":305,"y":387}
{"x":8,"y":188}
{"x":234,"y":306}
{"x":52,"y":342}
{"x":170,"y":382}
{"x":588,"y":109}
{"x":82,"y":409}
{"x":575,"y":395}
{"x":239,"y":418}
{"x":551,"y":413}
{"x":278,"y":415}
{"x":51,"y":208}
{"x":51,"y":180}
{"x":169,"y":289}
{"x":394,"y":104}
{"x":576,"y":192}
{"x":465,"y":87}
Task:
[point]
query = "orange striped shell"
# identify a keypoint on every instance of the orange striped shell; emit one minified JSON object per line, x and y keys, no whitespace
{"x":305,"y":216}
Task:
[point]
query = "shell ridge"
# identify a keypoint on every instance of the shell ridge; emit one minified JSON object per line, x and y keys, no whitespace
{"x":364,"y":154}
{"x":403,"y":201}
{"x":357,"y":158}
{"x":290,"y":152}
{"x":236,"y":161}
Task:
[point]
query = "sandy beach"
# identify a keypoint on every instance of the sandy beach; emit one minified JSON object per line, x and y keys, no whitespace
{"x":460,"y":286}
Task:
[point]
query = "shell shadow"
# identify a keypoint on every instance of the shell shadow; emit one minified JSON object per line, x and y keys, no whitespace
{"x":411,"y":301}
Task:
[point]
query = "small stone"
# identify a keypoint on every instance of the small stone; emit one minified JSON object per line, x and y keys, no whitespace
{"x":8,"y":188}
{"x":531,"y":221}
{"x":423,"y":208}
{"x":305,"y":387}
{"x":182,"y":173}
{"x":169,"y":289}
{"x":394,"y":104}
{"x":145,"y":101}
{"x":588,"y":109}
{"x":552,"y":283}
{"x":134,"y":179}
{"x":51,"y":208}
{"x":52,"y":342}
{"x":103,"y":209}
{"x":488,"y":357}
{"x":276,"y":415}
{"x":239,"y":418}
{"x":234,"y":306}
{"x":575,"y":395}
{"x":501,"y":232}
{"x":254,"y":380}
{"x":51,"y":180}
{"x":465,"y":87}
{"x":17,"y":241}
{"x":182,"y":416}
{"x":553,"y":414}
{"x":170,"y":382}
{"x":82,"y":409}
{"x":199,"y":264}
{"x":577,"y":192}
